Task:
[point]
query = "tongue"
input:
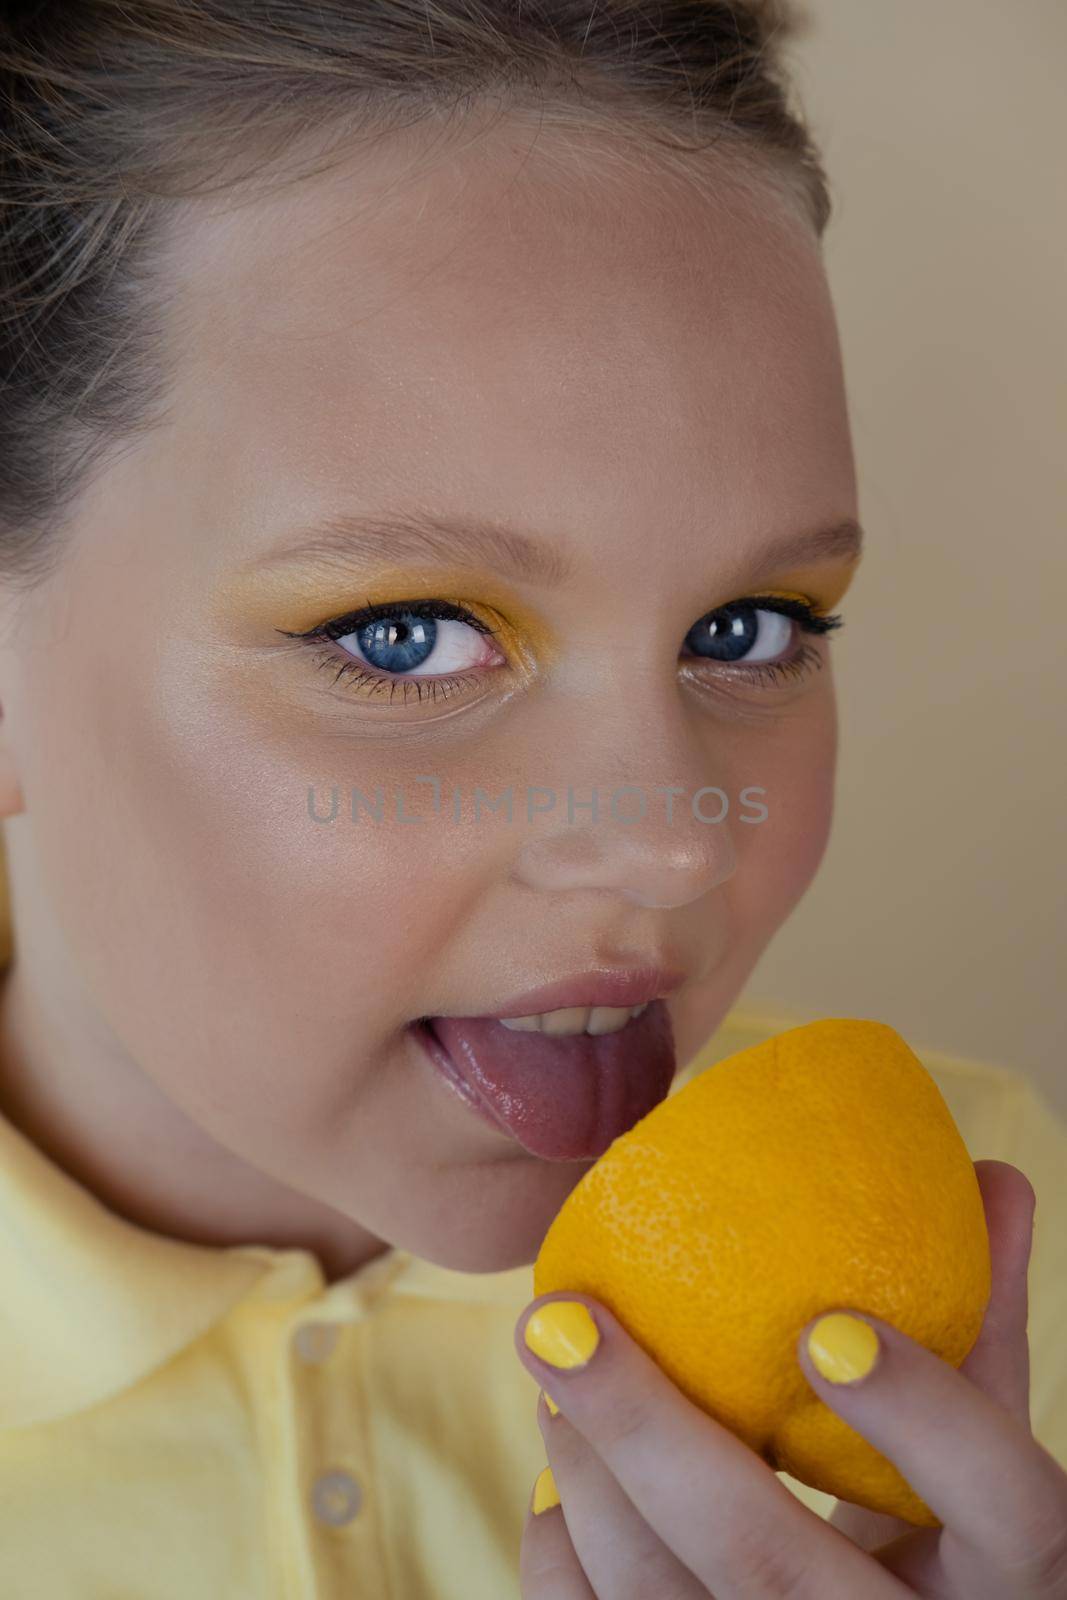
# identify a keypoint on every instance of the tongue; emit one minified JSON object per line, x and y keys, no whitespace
{"x":564,"y":1097}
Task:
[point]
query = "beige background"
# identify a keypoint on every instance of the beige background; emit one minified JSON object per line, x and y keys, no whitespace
{"x":939,"y":907}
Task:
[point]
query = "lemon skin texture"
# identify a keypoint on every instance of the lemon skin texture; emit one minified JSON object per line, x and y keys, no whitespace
{"x":818,"y":1170}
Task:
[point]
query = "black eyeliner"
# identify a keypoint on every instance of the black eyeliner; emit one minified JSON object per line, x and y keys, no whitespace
{"x":438,"y":610}
{"x":811,"y":620}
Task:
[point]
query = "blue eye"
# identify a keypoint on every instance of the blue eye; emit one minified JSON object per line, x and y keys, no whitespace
{"x":400,"y":639}
{"x":740,"y":633}
{"x":395,"y":646}
{"x":754,"y":631}
{"x":432,"y":647}
{"x":404,"y":641}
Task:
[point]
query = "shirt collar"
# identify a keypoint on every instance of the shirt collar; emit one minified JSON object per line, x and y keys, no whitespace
{"x":95,"y":1302}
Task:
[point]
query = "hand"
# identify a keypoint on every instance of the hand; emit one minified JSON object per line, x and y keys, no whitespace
{"x":660,"y":1502}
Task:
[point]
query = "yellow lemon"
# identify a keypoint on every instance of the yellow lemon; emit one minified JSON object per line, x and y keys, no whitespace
{"x":819,"y":1169}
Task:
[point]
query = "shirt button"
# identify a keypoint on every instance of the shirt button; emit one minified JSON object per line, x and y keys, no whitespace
{"x":313,"y":1341}
{"x":335,"y":1498}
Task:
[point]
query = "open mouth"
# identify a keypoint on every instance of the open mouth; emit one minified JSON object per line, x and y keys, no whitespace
{"x":563,"y":1094}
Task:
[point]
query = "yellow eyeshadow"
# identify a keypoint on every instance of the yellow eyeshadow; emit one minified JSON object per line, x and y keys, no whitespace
{"x":833,"y":589}
{"x":298,"y":600}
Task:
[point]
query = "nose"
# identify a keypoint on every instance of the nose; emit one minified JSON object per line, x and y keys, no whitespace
{"x":661,"y":837}
{"x":645,"y":871}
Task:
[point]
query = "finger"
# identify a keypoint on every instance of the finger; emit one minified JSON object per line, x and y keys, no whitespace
{"x":712,"y":1501}
{"x":977,"y":1467}
{"x":621,"y":1555}
{"x":549,"y":1568}
{"x":999,"y":1362}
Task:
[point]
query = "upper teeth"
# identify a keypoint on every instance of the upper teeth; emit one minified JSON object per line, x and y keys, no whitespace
{"x":575,"y":1019}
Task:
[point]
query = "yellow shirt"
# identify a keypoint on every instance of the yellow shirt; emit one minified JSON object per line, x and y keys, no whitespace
{"x":180,"y":1420}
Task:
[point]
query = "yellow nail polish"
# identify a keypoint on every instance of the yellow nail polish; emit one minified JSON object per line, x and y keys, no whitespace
{"x":562,"y":1333}
{"x":545,"y":1493}
{"x":843,"y":1348}
{"x":551,"y":1404}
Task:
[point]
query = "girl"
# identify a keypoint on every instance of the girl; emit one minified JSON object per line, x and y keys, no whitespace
{"x":426,"y":490}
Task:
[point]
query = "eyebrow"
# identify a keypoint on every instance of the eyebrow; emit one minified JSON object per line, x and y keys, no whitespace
{"x":417,"y":536}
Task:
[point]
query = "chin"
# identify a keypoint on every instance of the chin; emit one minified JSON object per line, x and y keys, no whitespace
{"x":488,"y":1259}
{"x":502,"y":1244}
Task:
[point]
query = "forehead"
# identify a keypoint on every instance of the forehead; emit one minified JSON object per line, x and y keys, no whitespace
{"x":486,"y":322}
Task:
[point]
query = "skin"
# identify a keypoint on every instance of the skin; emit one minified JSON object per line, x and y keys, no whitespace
{"x":204,"y":1021}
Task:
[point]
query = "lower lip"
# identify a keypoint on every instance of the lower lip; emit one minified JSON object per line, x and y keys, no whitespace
{"x":563,"y":1099}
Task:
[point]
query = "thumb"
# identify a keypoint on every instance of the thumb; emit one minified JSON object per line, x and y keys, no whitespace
{"x":999,"y":1362}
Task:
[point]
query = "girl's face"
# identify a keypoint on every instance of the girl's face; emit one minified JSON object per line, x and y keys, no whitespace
{"x":639,"y":387}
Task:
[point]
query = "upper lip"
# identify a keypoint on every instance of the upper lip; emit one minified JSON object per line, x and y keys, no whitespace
{"x":613,"y":986}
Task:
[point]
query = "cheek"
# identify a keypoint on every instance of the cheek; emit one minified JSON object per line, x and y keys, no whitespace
{"x":320,"y":932}
{"x":252,"y":961}
{"x":775,"y":862}
{"x":779,"y":856}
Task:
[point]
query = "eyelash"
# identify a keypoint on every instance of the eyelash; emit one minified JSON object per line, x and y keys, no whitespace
{"x":798,"y":665}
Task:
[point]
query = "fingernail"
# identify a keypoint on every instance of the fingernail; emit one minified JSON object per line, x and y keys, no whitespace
{"x":545,"y":1493}
{"x":562,"y":1333}
{"x":843,"y":1348}
{"x":551,"y":1404}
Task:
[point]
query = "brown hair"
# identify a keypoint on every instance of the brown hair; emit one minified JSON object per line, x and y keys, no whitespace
{"x":113,"y":111}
